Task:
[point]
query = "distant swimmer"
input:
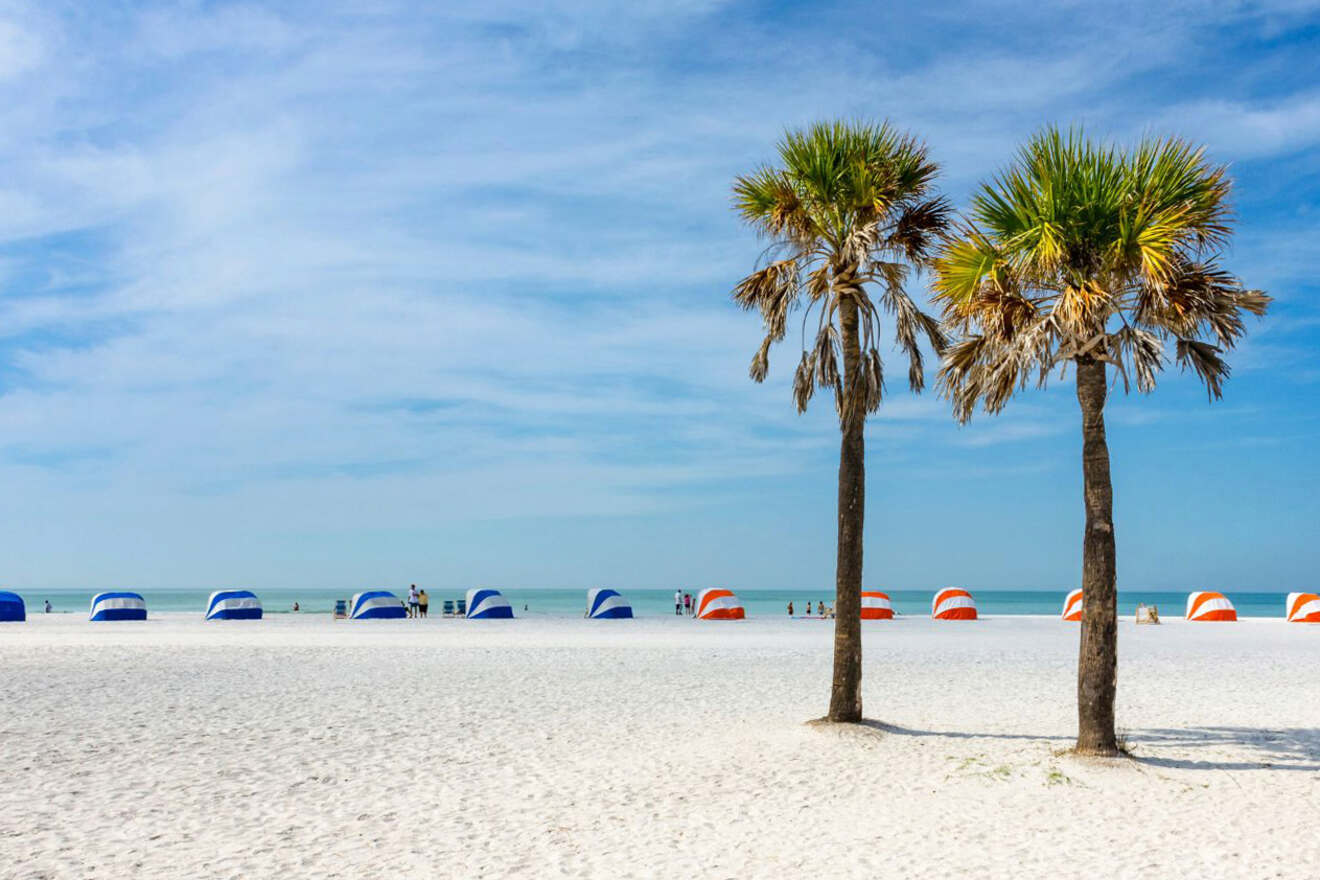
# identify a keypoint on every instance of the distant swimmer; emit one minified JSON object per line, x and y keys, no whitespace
{"x":295,"y":606}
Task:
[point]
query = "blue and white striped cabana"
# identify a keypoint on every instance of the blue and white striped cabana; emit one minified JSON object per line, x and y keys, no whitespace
{"x":485,"y":604}
{"x":12,"y":609}
{"x":119,"y":605}
{"x":376,"y":605}
{"x":233,"y":605}
{"x":605,"y":604}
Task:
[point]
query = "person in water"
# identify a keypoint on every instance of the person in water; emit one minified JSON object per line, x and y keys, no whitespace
{"x":790,"y":608}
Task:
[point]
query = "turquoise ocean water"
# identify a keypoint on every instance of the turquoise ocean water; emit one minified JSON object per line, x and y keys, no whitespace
{"x":652,"y":603}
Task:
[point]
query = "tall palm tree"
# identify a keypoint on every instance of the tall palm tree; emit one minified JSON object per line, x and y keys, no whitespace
{"x":849,"y":206}
{"x":1085,"y":254}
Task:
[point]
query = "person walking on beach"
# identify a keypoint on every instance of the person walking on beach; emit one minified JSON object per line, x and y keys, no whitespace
{"x":678,"y":602}
{"x":423,"y":601}
{"x":412,"y":601}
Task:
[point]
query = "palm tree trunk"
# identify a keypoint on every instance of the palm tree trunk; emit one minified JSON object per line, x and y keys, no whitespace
{"x":846,"y":692}
{"x":1097,"y":660}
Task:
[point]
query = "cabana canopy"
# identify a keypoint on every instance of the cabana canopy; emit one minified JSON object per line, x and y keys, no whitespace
{"x":12,"y":609}
{"x":376,"y":605}
{"x":233,"y":605}
{"x":118,"y":605}
{"x":953,"y":603}
{"x":484,"y":603}
{"x":605,"y":604}
{"x":719,"y":604}
{"x":1207,"y":605}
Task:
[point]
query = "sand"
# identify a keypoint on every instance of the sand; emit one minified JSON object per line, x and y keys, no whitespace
{"x":301,"y":747}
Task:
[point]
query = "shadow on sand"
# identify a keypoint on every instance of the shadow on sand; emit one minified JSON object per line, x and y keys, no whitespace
{"x":1288,"y":748}
{"x":1291,"y":748}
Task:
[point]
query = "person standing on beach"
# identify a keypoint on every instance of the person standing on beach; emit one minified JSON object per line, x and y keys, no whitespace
{"x":423,"y":601}
{"x":687,"y":603}
{"x":790,"y":607}
{"x":412,"y":601}
{"x":48,"y":606}
{"x":678,"y":602}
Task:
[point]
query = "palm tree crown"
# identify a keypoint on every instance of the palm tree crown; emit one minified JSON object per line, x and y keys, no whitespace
{"x":850,"y":205}
{"x":1078,"y":249}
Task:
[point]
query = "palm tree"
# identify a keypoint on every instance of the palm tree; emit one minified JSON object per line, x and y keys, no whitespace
{"x":849,"y":206}
{"x":1087,"y":254}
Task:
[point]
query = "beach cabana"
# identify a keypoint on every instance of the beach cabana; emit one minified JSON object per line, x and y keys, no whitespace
{"x":1209,"y":605}
{"x":12,"y":609}
{"x":952,"y":603}
{"x":376,"y":605}
{"x":1072,"y":606}
{"x":719,"y":605}
{"x":1303,"y":608}
{"x":233,"y":605}
{"x":876,"y":606}
{"x":603,"y":604}
{"x":119,"y":605}
{"x":487,"y":604}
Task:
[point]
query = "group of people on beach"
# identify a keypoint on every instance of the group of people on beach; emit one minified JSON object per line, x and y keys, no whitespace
{"x":683,"y":604}
{"x":821,"y":610}
{"x":417,"y":602}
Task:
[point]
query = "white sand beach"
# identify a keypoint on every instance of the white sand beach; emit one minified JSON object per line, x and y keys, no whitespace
{"x":302,"y":747}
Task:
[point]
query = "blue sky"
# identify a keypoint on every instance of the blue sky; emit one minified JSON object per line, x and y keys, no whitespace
{"x":341,"y":294}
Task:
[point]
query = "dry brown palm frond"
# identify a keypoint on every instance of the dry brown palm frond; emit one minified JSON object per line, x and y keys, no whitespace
{"x":774,"y":292}
{"x":761,"y":360}
{"x":862,"y":242}
{"x":818,"y":282}
{"x":918,"y":228}
{"x":873,"y":377}
{"x":803,"y":386}
{"x":1083,"y":306}
{"x":825,"y":356}
{"x":1200,"y":295}
{"x":1203,"y":359}
{"x":1000,"y":312}
{"x":1144,"y":351}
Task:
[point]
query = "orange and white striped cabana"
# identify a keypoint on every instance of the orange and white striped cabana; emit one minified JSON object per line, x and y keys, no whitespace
{"x":876,"y":606}
{"x":719,"y":605}
{"x":952,"y":603}
{"x":1303,"y":608}
{"x":1072,"y":606}
{"x":1209,"y":605}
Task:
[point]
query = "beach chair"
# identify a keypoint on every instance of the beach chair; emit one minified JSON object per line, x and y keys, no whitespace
{"x":461,"y":609}
{"x":341,"y":609}
{"x":448,"y":609}
{"x":1148,"y":614}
